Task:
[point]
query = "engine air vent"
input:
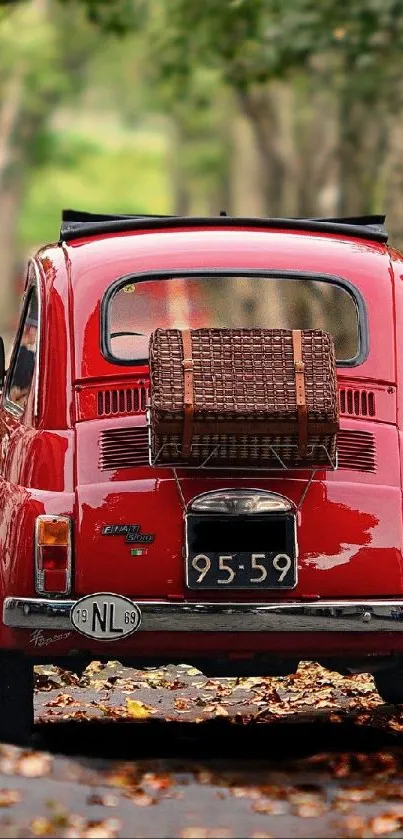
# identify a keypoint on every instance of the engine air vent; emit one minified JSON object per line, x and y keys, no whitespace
{"x":123,"y":448}
{"x":356,"y":402}
{"x":356,"y":450}
{"x":122,"y":401}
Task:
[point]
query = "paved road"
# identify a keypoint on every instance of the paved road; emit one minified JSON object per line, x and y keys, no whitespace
{"x":169,"y":753}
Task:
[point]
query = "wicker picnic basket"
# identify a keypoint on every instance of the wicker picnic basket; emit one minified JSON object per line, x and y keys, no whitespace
{"x":251,"y":398}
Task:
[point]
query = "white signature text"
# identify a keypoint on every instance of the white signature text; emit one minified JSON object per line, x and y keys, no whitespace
{"x":38,"y":639}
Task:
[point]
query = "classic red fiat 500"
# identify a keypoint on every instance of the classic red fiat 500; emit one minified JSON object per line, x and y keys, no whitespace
{"x":108,"y":551}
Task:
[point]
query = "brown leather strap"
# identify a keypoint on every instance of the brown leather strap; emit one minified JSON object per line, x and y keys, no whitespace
{"x":279,"y":428}
{"x":188,"y":396}
{"x":302,"y":410}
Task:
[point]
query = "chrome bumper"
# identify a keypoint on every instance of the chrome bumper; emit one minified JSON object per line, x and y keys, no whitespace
{"x":323,"y":616}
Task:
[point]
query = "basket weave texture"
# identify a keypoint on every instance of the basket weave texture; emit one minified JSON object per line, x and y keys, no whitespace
{"x":242,"y":376}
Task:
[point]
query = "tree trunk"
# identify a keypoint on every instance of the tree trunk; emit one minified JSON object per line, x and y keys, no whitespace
{"x":268,"y":111}
{"x":180,"y":188}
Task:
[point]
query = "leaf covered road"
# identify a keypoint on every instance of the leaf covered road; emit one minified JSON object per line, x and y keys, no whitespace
{"x":171,"y":753}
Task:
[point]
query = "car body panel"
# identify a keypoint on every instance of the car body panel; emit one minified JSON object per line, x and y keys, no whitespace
{"x":350,"y":522}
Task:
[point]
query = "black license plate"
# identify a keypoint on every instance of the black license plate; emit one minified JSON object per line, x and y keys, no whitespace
{"x":252,"y":552}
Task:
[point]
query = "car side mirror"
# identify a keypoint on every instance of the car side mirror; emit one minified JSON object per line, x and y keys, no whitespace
{"x":2,"y":363}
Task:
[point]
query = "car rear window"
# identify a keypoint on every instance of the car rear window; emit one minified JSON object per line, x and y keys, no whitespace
{"x":135,"y":308}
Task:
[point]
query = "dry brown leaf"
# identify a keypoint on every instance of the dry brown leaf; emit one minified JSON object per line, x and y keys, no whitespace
{"x":182,"y":704}
{"x":8,"y":797}
{"x":220,"y":711}
{"x":142,"y":799}
{"x":103,"y":800}
{"x":95,"y":666}
{"x":137,"y":710}
{"x":355,"y":794}
{"x":62,"y":700}
{"x":384,"y":824}
{"x":355,"y":827}
{"x":310,"y":809}
{"x":272,"y":807}
{"x":43,"y":682}
{"x":395,"y":725}
{"x":158,"y":782}
{"x":107,"y":829}
{"x":100,"y":684}
{"x":40,"y":826}
{"x":246,"y":792}
{"x":34,"y":765}
{"x":205,"y":833}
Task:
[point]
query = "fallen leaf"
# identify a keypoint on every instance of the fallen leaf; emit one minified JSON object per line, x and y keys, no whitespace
{"x":205,"y":833}
{"x":220,"y":711}
{"x":182,"y":704}
{"x":40,"y":826}
{"x":158,"y":782}
{"x":310,"y":809}
{"x":142,"y":799}
{"x":34,"y":765}
{"x":137,"y":710}
{"x":103,"y":800}
{"x":355,"y":794}
{"x":274,"y":808}
{"x":95,"y":667}
{"x":354,"y":827}
{"x":384,"y":824}
{"x":107,"y":829}
{"x":8,"y":797}
{"x":62,"y":700}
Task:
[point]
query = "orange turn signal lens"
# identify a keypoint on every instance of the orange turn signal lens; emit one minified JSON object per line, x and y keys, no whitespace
{"x":53,"y":532}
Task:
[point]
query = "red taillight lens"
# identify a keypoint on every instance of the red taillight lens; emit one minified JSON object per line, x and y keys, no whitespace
{"x":54,"y":582}
{"x":52,"y":559}
{"x":53,"y":555}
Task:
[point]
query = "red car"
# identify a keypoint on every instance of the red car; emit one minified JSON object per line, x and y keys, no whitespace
{"x":103,"y":554}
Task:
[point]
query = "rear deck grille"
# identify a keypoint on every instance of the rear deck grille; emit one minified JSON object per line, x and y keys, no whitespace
{"x":127,"y":448}
{"x":132,"y":400}
{"x":356,"y":402}
{"x":356,"y":450}
{"x":123,"y":448}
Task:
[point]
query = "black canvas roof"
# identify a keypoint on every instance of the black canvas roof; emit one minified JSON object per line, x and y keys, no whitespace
{"x":79,"y":225}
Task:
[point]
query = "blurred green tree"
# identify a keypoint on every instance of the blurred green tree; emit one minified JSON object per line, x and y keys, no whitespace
{"x":39,"y":68}
{"x":351,"y":50}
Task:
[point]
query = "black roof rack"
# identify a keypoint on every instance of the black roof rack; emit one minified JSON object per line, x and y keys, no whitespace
{"x":80,"y":225}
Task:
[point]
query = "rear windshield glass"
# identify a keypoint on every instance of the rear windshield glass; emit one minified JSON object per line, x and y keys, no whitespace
{"x":135,"y":309}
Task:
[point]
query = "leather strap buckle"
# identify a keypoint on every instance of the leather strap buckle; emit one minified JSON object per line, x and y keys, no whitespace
{"x":302,"y":409}
{"x":188,"y":394}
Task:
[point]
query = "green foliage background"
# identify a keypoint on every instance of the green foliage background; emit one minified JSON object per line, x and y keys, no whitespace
{"x":276,"y":107}
{"x":127,"y":176}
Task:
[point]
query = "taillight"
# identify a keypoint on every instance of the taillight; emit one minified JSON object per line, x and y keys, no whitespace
{"x":53,"y":555}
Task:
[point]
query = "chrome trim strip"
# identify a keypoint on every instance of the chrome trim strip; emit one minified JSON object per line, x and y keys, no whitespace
{"x":39,"y":336}
{"x":33,"y":280}
{"x":162,"y":616}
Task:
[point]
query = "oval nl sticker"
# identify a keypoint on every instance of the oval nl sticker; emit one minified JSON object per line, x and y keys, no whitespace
{"x":105,"y":616}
